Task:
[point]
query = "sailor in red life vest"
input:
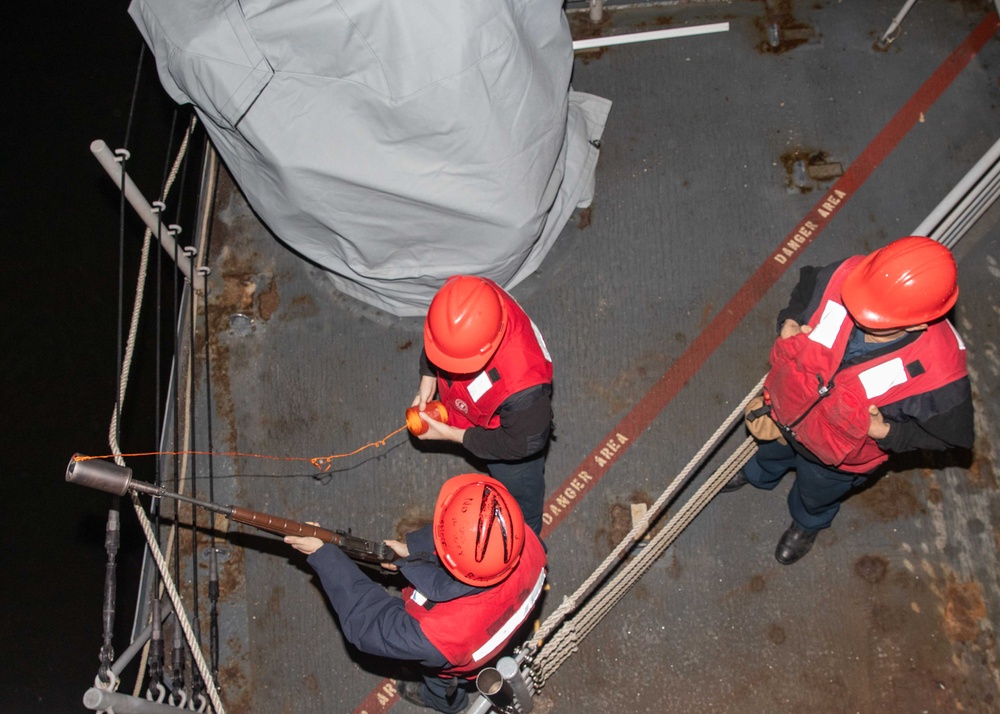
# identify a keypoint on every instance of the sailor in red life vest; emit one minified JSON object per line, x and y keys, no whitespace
{"x":488,"y":363}
{"x":475,"y":574}
{"x":865,"y":365}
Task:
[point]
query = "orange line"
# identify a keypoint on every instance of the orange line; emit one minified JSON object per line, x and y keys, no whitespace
{"x":321,"y":462}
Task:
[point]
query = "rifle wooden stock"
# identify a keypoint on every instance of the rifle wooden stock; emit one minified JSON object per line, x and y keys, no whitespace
{"x":356,"y":548}
{"x":273,"y":524}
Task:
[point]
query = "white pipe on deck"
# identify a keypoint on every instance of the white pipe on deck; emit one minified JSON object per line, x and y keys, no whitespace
{"x":960,"y":194}
{"x":146,"y":212}
{"x":634,"y":37}
{"x":102,"y":700}
{"x":597,"y":11}
{"x":884,"y":41}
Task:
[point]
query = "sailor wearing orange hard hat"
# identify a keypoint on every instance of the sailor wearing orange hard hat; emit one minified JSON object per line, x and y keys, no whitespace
{"x":866,"y":364}
{"x":488,"y":364}
{"x":475,"y":574}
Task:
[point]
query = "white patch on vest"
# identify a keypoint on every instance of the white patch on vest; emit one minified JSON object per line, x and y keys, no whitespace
{"x":479,"y":386}
{"x":958,"y":337}
{"x":828,"y":328}
{"x":513,"y":623}
{"x":418,"y":597}
{"x":541,"y":341}
{"x":881,"y":378}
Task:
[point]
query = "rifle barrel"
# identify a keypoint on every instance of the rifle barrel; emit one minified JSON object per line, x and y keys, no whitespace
{"x":106,"y":476}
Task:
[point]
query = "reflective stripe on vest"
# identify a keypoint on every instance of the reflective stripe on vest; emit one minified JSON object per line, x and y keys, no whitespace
{"x":513,"y":623}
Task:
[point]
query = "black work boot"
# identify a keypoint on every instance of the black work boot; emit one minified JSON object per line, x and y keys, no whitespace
{"x":794,"y":543}
{"x":735,"y":483}
{"x":411,"y":692}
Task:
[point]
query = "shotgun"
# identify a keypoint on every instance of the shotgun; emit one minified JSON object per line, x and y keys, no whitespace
{"x":110,"y":477}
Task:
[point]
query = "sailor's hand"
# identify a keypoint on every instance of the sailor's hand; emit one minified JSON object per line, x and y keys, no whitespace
{"x":440,"y":431}
{"x":878,"y":428}
{"x":399,"y":547}
{"x":790,"y":328}
{"x":305,"y":544}
{"x":425,"y":392}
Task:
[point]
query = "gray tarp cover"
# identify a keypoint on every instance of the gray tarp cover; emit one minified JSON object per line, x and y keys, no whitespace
{"x":392,"y":143}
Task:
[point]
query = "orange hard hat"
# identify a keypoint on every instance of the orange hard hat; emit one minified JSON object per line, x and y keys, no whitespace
{"x":465,"y":323}
{"x":478,"y":529}
{"x":911,"y":281}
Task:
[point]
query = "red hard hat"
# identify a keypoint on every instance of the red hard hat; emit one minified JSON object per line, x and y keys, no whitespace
{"x":908,"y":282}
{"x":465,"y":323}
{"x":478,"y":529}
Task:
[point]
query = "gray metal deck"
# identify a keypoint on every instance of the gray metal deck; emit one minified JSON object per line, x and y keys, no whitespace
{"x":893,"y":611}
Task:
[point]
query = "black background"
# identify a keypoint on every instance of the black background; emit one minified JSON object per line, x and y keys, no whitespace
{"x":71,"y":72}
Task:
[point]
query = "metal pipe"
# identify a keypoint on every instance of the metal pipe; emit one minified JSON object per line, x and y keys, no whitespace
{"x":149,"y":216}
{"x":511,"y":674}
{"x":139,"y":642}
{"x":970,"y":210}
{"x":479,"y":705}
{"x":100,"y":700}
{"x":597,"y":11}
{"x":884,"y":40}
{"x":504,"y":686}
{"x":935,"y":217}
{"x":107,"y":476}
{"x":494,"y":687}
{"x":634,"y":37}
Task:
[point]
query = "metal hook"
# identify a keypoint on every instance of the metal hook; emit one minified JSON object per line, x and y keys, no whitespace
{"x":178,"y":698}
{"x":160,"y":696}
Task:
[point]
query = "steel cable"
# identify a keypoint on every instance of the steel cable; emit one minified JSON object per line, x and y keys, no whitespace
{"x":166,"y":580}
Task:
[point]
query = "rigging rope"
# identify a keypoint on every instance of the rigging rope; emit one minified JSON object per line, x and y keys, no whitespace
{"x":198,"y":683}
{"x":213,"y":562}
{"x":569,"y":623}
{"x":153,"y":650}
{"x":118,"y":456}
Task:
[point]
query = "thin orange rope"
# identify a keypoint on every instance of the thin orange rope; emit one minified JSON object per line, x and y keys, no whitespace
{"x":322,"y":463}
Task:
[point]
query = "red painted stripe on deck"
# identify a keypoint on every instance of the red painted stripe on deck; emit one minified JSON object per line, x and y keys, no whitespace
{"x":380,"y":700}
{"x":602,"y":458}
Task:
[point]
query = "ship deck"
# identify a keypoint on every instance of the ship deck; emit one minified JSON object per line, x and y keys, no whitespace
{"x":658,"y":307}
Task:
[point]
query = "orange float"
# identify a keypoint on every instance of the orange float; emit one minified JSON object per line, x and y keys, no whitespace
{"x":418,"y":426}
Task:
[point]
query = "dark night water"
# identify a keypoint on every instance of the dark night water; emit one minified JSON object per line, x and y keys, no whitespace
{"x":71,"y":82}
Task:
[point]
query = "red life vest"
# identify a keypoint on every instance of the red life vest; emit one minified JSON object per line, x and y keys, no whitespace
{"x":469,"y":631}
{"x":521,"y":361}
{"x":825,"y":407}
